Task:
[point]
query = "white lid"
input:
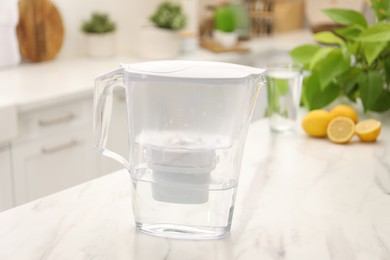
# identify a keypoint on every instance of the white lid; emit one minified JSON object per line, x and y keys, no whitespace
{"x":192,"y":69}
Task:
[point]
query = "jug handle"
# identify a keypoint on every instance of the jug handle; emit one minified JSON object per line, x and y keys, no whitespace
{"x":102,"y":107}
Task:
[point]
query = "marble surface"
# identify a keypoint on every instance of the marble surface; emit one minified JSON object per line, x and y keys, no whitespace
{"x":298,"y":199}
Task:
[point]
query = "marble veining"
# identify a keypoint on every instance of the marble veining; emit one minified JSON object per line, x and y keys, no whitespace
{"x":298,"y":199}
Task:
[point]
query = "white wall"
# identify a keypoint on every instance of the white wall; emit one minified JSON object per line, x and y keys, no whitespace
{"x":129,"y":15}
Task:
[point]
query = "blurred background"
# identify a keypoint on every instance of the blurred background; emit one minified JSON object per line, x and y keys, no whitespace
{"x":52,"y":50}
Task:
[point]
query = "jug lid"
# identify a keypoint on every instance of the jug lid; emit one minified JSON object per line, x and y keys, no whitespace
{"x":191,"y":69}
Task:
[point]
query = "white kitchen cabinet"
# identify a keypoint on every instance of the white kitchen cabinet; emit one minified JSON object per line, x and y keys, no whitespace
{"x":50,"y":164}
{"x":6,"y":199}
{"x":53,"y":151}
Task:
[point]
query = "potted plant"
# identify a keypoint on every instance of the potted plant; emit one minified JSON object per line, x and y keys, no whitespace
{"x":352,"y":61}
{"x":100,"y":37}
{"x":162,"y":40}
{"x":225,"y":26}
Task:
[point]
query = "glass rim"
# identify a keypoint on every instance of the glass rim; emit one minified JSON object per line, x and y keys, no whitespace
{"x":294,"y":66}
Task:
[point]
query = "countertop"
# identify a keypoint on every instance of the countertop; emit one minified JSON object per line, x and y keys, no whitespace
{"x":36,"y":85}
{"x":298,"y":198}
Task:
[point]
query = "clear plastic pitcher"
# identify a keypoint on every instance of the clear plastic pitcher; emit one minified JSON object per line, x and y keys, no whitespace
{"x":187,"y":124}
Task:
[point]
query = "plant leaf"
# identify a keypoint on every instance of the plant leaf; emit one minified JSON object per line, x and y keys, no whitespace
{"x":314,"y":97}
{"x":386,"y":65}
{"x":319,"y":55}
{"x":381,"y":9}
{"x":370,"y":86}
{"x":352,"y":93}
{"x":333,"y":65}
{"x":350,"y":77}
{"x":349,"y":32}
{"x":372,"y":50}
{"x":328,"y":38}
{"x":379,"y":32}
{"x":383,"y":102}
{"x":224,"y":19}
{"x":348,"y":82}
{"x":303,"y":54}
{"x":354,"y":48}
{"x":346,"y":17}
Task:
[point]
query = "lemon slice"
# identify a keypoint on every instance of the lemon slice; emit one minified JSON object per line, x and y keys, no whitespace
{"x":341,"y":130}
{"x":368,"y":130}
{"x":344,"y":110}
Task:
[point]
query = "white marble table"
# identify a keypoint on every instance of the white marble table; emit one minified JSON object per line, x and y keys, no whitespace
{"x":298,"y":199}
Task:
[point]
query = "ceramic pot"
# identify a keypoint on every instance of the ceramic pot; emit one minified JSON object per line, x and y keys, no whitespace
{"x":157,"y":43}
{"x":225,"y":39}
{"x":100,"y":44}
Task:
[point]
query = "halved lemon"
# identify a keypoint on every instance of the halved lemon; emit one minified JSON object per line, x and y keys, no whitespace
{"x":368,"y":130}
{"x":341,"y":130}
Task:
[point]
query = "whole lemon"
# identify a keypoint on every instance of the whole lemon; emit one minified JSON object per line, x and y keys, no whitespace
{"x":316,"y":122}
{"x":344,"y":110}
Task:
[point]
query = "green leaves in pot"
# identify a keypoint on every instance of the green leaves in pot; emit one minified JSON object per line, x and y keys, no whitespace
{"x":353,"y":61}
{"x":169,"y":16}
{"x":225,"y":19}
{"x":98,"y":23}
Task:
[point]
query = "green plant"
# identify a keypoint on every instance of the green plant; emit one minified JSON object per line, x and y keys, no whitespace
{"x":353,"y":61}
{"x":224,"y":19}
{"x":169,"y":16}
{"x":98,"y":23}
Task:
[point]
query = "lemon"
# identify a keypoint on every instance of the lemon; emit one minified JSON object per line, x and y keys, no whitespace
{"x":368,"y":130}
{"x":341,"y":130}
{"x":347,"y":111}
{"x":315,"y":122}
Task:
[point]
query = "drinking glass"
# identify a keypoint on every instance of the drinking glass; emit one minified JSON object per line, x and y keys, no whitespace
{"x":284,"y":85}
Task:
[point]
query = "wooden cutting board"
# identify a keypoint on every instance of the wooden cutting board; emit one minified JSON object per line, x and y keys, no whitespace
{"x":40,"y":30}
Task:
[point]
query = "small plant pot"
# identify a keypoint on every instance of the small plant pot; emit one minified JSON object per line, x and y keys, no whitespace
{"x":226,"y":39}
{"x":189,"y":42}
{"x":100,"y":45}
{"x":159,"y":43}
